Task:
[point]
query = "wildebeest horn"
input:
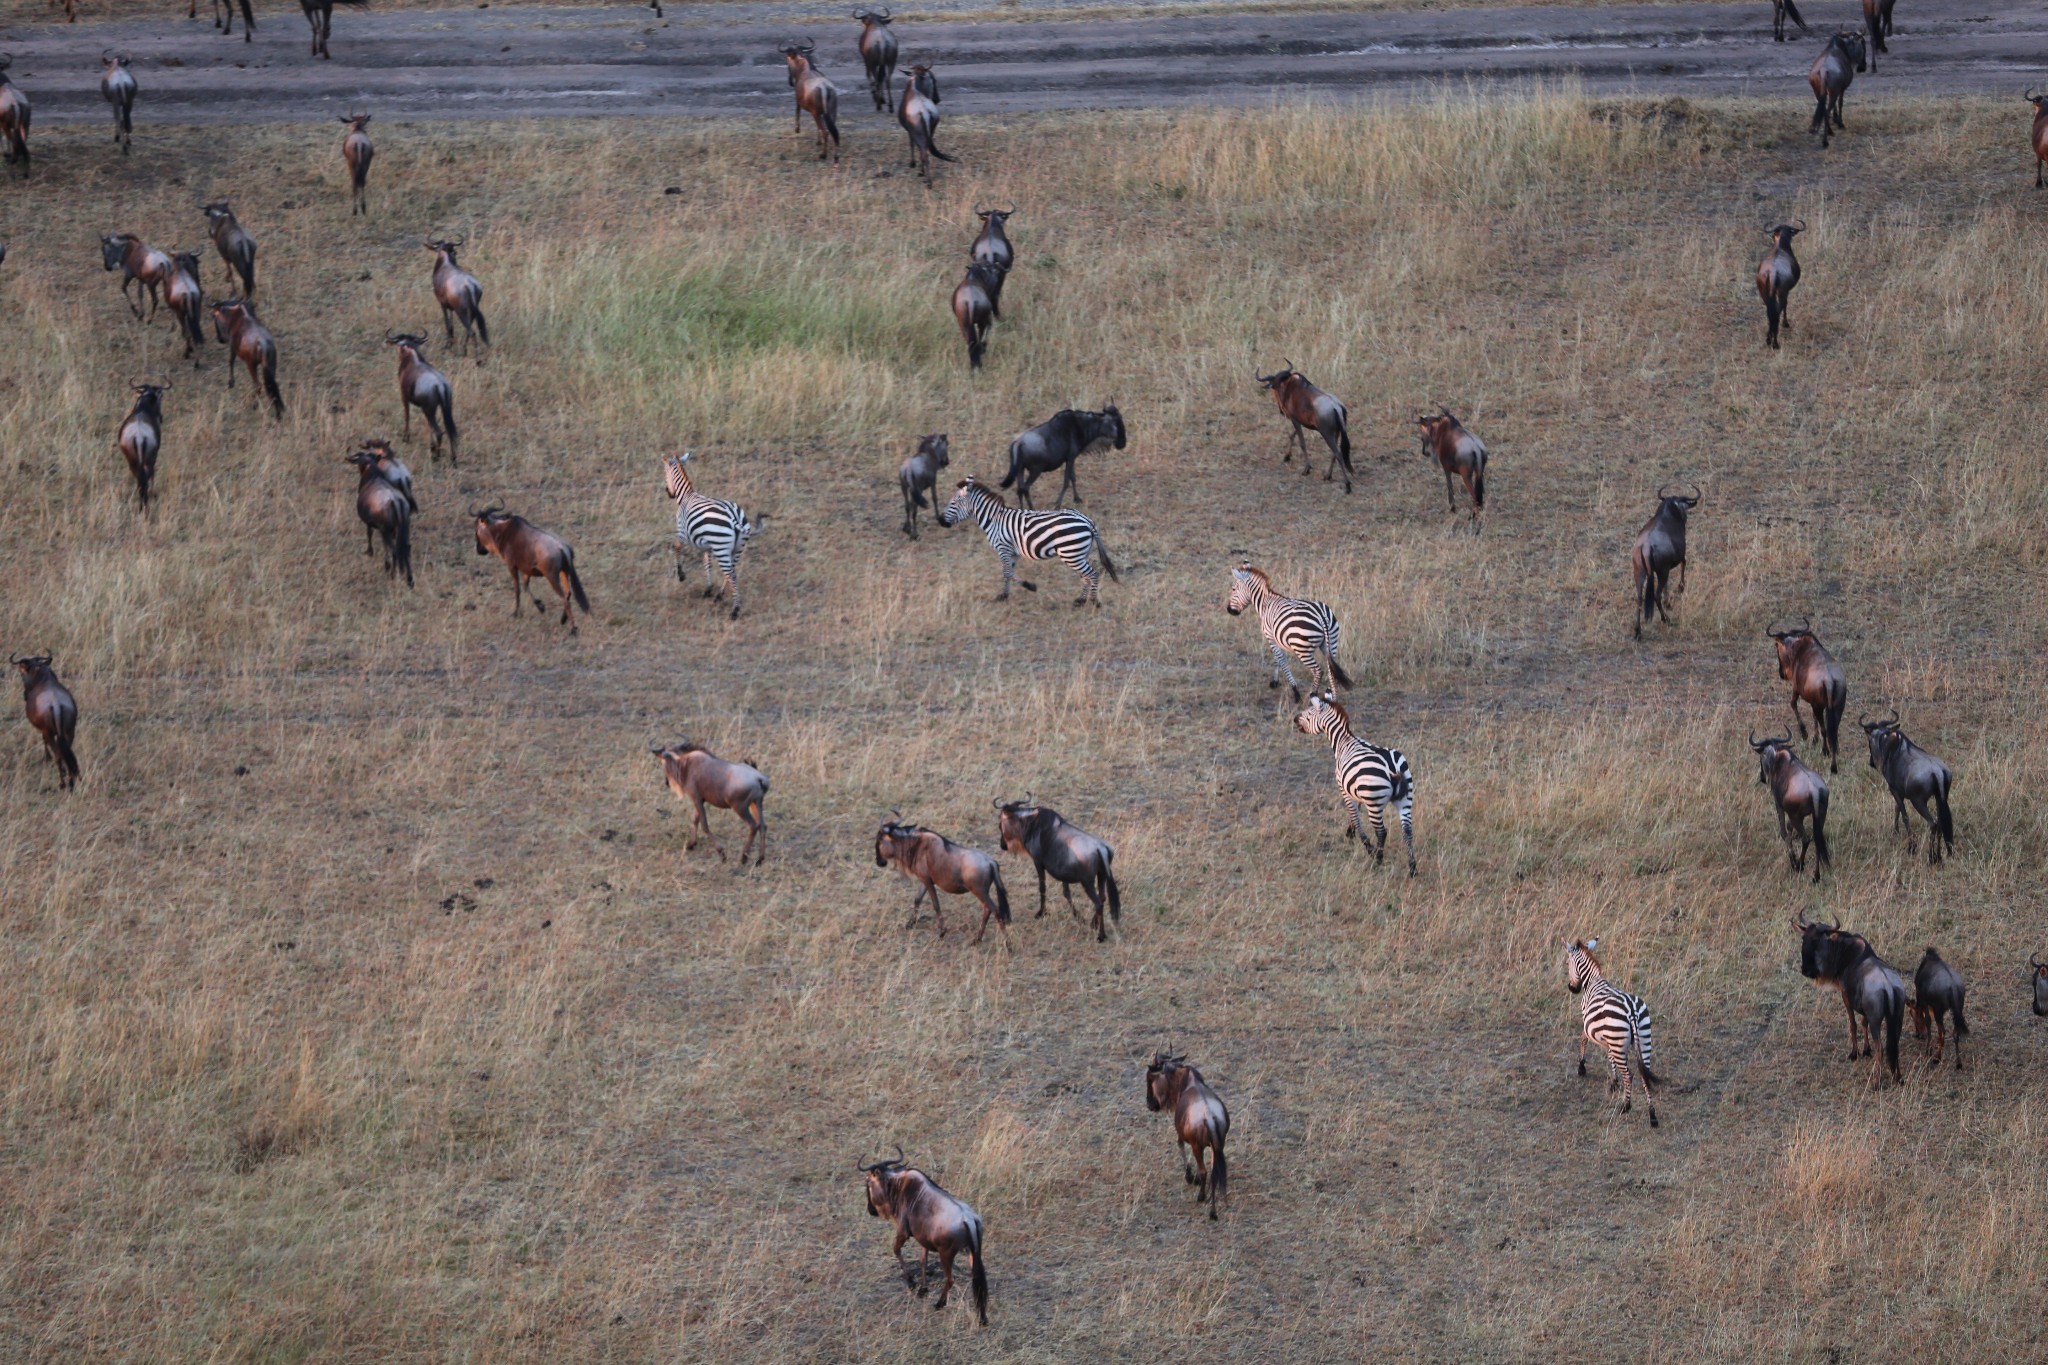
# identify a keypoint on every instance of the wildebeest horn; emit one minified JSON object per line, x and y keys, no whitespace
{"x":1755,"y":745}
{"x":1800,"y":922}
{"x":1838,"y":922}
{"x":2035,"y":962}
{"x":995,"y":803}
{"x":979,"y":211}
{"x":1010,"y":210}
{"x":6,"y":60}
{"x":390,"y":336}
{"x":2029,"y":97}
{"x":1895,"y":717}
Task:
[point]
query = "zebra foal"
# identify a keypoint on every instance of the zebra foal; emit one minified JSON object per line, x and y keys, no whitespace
{"x":715,"y":526}
{"x":1017,"y":531}
{"x":1617,"y":1021}
{"x":1294,"y":627}
{"x":1369,"y":775}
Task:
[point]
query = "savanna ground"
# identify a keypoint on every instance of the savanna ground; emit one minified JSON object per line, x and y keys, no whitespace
{"x":362,"y":1003}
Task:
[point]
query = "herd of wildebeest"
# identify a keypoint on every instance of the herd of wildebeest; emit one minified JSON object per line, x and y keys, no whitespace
{"x":1373,"y":780}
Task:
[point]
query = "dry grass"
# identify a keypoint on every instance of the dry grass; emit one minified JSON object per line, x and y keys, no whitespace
{"x":420,"y":1039}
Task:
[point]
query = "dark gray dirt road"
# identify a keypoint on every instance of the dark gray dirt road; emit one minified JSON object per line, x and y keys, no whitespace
{"x":527,"y":61}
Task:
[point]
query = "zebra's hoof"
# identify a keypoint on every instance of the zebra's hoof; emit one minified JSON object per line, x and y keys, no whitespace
{"x":1653,"y":1118}
{"x":1582,"y":1066}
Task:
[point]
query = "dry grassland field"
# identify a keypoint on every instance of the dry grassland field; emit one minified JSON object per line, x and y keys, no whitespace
{"x":362,"y":1003}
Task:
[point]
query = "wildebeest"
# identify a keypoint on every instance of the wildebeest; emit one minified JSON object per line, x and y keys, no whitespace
{"x":1799,"y":795}
{"x":992,"y":244}
{"x":2040,"y":978}
{"x":1781,"y":10}
{"x":1938,"y":995}
{"x":1056,"y":443}
{"x":1871,"y":991}
{"x":1660,"y":548}
{"x":815,"y":96}
{"x":250,"y":342}
{"x":1829,"y":78}
{"x":186,"y":299}
{"x":916,"y":1207}
{"x":320,"y":16}
{"x":878,"y":55}
{"x":1912,"y":774}
{"x":385,"y":511}
{"x":2039,"y":136}
{"x":460,"y":295}
{"x":236,"y":247}
{"x":938,"y":864}
{"x":1877,"y":24}
{"x":117,"y":88}
{"x":974,"y":307}
{"x":530,"y":553}
{"x":142,"y":436}
{"x":1305,"y":406}
{"x":14,"y":117}
{"x":391,"y":469}
{"x":919,"y":476}
{"x":1459,"y":452}
{"x":700,"y":777}
{"x":53,"y":712}
{"x":422,"y":386}
{"x":139,"y":264}
{"x":1201,"y":1123}
{"x":227,"y":8}
{"x":1776,"y":274}
{"x":918,"y":112}
{"x":1071,"y":855}
{"x":357,"y":152}
{"x":1816,"y":680}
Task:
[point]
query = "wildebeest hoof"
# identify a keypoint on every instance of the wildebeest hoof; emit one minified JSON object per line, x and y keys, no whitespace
{"x":1188,"y":1173}
{"x":1102,"y":936}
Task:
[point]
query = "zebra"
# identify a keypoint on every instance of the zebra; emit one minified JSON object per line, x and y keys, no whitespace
{"x":717,"y":527}
{"x":1294,"y":627}
{"x":1369,"y":775}
{"x":1014,"y":531}
{"x":1613,"y":1018}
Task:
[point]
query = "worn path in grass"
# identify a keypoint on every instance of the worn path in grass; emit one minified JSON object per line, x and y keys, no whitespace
{"x":526,"y":61}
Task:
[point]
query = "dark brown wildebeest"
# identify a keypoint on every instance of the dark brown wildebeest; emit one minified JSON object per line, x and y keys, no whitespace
{"x":385,"y":510}
{"x":186,"y":300}
{"x":236,"y":247}
{"x":1200,"y":1123}
{"x":1070,"y":854}
{"x":227,"y":8}
{"x":139,"y":264}
{"x":992,"y":244}
{"x":938,"y":864}
{"x":1877,"y":23}
{"x":916,"y":1207}
{"x":142,"y":436}
{"x":1660,"y":548}
{"x":422,"y":386}
{"x":1816,"y":680}
{"x":1938,"y":995}
{"x":1871,"y":991}
{"x":1829,"y":79}
{"x":815,"y":96}
{"x":698,"y":776}
{"x":460,"y":295}
{"x":320,"y":16}
{"x":117,"y":88}
{"x":919,"y":476}
{"x":1799,"y":795}
{"x":1781,"y":10}
{"x":1912,"y":774}
{"x":878,"y":55}
{"x":14,"y":117}
{"x":250,"y":342}
{"x":918,"y":112}
{"x":358,"y":152}
{"x":2040,"y":981}
{"x":530,"y":553}
{"x":1459,"y":452}
{"x":54,"y":713}
{"x":1056,"y":443}
{"x":1776,"y":274}
{"x":391,"y":469}
{"x":974,"y":307}
{"x":1306,"y":406}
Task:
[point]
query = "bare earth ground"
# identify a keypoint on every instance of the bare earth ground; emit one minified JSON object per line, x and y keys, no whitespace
{"x":531,"y":60}
{"x":362,"y":1003}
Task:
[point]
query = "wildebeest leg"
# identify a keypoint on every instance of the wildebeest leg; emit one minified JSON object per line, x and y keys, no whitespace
{"x":1933,"y":833}
{"x":1201,"y":1174}
{"x":1024,"y":482}
{"x":1187,"y":1166}
{"x":1450,"y":496}
{"x":1068,"y":483}
{"x":1798,"y":719}
{"x":988,"y":911}
{"x":1301,"y":436}
{"x":756,"y":828}
{"x":368,"y":549}
{"x":946,"y":1267}
{"x":1093,"y":886}
{"x":1067,"y":890}
{"x":938,"y":911}
{"x":902,"y":1236}
{"x":534,"y":597}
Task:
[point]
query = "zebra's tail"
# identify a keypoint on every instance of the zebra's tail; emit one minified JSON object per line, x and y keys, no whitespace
{"x":1116,"y":900}
{"x":1337,"y":671}
{"x":575,"y":583}
{"x":1108,"y":564}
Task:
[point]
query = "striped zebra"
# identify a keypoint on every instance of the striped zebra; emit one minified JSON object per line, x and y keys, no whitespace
{"x":1369,"y":775}
{"x":1617,"y":1021}
{"x":1014,"y":531}
{"x":1294,"y":627}
{"x":717,"y":527}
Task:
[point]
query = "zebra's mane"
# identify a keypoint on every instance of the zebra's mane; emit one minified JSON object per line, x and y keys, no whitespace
{"x":991,"y":494}
{"x":1260,"y":574}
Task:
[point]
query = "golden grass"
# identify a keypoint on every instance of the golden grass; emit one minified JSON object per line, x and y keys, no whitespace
{"x":421,"y":1039}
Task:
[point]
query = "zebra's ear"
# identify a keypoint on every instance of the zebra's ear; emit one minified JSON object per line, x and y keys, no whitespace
{"x":1591,"y":944}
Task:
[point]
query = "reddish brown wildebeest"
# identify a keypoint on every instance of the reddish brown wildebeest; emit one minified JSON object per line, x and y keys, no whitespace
{"x":1829,"y":79}
{"x":815,"y":96}
{"x":187,"y":302}
{"x":1460,"y":453}
{"x":1816,"y":680}
{"x":460,"y":295}
{"x":386,"y":510}
{"x":913,"y":1202}
{"x":1307,"y":406}
{"x":938,"y":864}
{"x":142,"y":436}
{"x":117,"y":88}
{"x":422,"y":386}
{"x":1776,"y":274}
{"x":878,"y":55}
{"x":530,"y":552}
{"x":250,"y":342}
{"x":139,"y":264}
{"x":693,"y":773}
{"x":2039,"y":136}
{"x":54,"y":713}
{"x":1799,"y":795}
{"x":236,"y":247}
{"x":14,"y":117}
{"x":358,"y":153}
{"x":1200,"y":1123}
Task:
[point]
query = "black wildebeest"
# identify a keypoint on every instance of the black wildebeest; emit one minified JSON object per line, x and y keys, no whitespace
{"x":236,"y":247}
{"x":250,"y":342}
{"x":1781,"y":10}
{"x":1913,"y":775}
{"x":878,"y":55}
{"x":14,"y":117}
{"x":700,"y":777}
{"x":1660,"y":548}
{"x":227,"y":8}
{"x":1937,"y":996}
{"x":1877,"y":23}
{"x":530,"y":553}
{"x":2039,"y":135}
{"x":1829,"y":78}
{"x":918,"y":112}
{"x":460,"y":295}
{"x":1201,"y":1122}
{"x":320,"y":17}
{"x":1056,"y":443}
{"x":187,"y":300}
{"x":916,"y":1207}
{"x":422,"y":386}
{"x":938,"y":864}
{"x":1776,"y":274}
{"x":357,"y":152}
{"x":1071,"y":855}
{"x":815,"y":95}
{"x":1799,"y":795}
{"x":142,"y":436}
{"x":1459,"y":452}
{"x":919,"y":476}
{"x":1871,"y":991}
{"x":974,"y":307}
{"x":117,"y":88}
{"x":1816,"y":680}
{"x":992,"y":244}
{"x":391,"y":469}
{"x":385,"y":510}
{"x":1305,"y":406}
{"x":139,"y":264}
{"x":2040,"y":979}
{"x":54,"y":713}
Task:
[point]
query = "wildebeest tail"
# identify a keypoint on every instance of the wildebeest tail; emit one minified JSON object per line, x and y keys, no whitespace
{"x":1894,"y":1018}
{"x":1016,"y":467}
{"x":69,"y":761}
{"x":248,"y":21}
{"x":1219,"y":1172}
{"x":1479,"y":489}
{"x":830,"y":113}
{"x":270,"y":386}
{"x":979,"y":1279}
{"x":448,"y":416}
{"x":1820,"y":121}
{"x":1344,"y":448}
{"x":1108,"y":564}
{"x":1792,"y":13}
{"x":575,"y":583}
{"x":1116,"y":900}
{"x":1002,"y":909}
{"x":1943,"y":821}
{"x":931,"y":145}
{"x":401,"y":547}
{"x":1820,"y":836}
{"x":483,"y":329}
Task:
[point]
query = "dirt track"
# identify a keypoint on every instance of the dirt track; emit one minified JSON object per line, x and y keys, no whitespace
{"x":514,"y":62}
